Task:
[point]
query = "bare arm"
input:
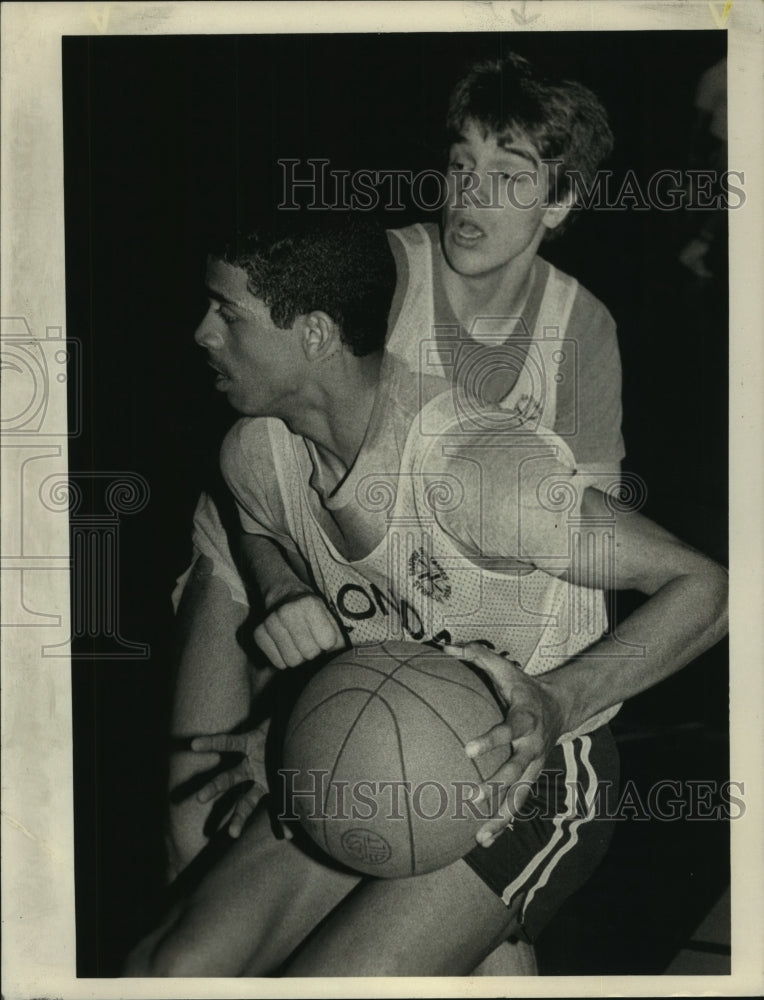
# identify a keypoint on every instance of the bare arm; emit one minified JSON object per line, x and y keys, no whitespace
{"x":298,"y":625}
{"x":686,"y":613}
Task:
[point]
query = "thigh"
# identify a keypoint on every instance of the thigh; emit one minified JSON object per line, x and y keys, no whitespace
{"x":213,"y":692}
{"x":247,"y":914}
{"x":439,"y":924}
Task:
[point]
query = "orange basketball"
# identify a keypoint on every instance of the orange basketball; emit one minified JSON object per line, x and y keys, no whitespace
{"x":374,"y":759}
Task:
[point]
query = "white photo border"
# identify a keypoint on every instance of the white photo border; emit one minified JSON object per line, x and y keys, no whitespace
{"x":38,"y":842}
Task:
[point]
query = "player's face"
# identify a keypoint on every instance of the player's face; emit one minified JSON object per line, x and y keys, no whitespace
{"x":497,"y":194}
{"x":253,"y":359}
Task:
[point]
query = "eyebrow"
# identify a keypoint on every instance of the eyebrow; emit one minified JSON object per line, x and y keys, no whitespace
{"x":212,"y":294}
{"x":242,"y":306}
{"x":506,"y":146}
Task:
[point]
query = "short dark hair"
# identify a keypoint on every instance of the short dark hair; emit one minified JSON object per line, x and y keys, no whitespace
{"x":339,"y":263}
{"x":564,"y":120}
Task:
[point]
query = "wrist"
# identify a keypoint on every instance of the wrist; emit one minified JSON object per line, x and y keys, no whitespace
{"x":282,"y":593}
{"x":563,"y":698}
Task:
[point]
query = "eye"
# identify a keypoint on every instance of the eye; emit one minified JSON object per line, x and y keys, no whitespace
{"x":227,"y":317}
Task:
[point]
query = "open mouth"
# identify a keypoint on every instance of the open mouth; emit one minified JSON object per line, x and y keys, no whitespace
{"x":467,"y":234}
{"x":222,"y":377}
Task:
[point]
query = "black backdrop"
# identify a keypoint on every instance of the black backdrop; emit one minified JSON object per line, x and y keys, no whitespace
{"x":169,"y":140}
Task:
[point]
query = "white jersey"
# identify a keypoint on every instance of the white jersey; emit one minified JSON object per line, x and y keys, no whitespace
{"x":416,"y":578}
{"x":537,"y":355}
{"x":565,"y":357}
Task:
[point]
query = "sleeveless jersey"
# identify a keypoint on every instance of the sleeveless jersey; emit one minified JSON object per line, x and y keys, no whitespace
{"x":535,"y":357}
{"x":417,"y":583}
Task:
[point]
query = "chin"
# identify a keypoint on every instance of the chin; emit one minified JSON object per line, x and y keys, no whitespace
{"x":466,"y":262}
{"x":239,"y":404}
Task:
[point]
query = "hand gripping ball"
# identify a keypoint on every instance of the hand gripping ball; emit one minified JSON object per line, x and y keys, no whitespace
{"x":374,"y":758}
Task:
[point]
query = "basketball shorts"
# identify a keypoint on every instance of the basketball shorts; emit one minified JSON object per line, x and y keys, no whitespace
{"x":561,"y":834}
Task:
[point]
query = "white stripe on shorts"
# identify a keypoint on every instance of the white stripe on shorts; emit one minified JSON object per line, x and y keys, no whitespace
{"x":565,"y":835}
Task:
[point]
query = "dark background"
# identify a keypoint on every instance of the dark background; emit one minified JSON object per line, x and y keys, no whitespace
{"x":171,"y":140}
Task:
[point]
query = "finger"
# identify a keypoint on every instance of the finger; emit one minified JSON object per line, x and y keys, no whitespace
{"x":276,"y":643}
{"x":220,"y":742}
{"x":492,"y":829}
{"x":292,"y":628}
{"x":506,"y":806}
{"x":532,"y":764}
{"x":523,"y":764}
{"x":499,"y":736}
{"x":283,"y":638}
{"x":254,"y":744}
{"x":524,"y":757}
{"x":311,"y":627}
{"x":326,"y":633}
{"x":511,"y":785}
{"x":244,"y":809}
{"x":499,"y":668}
{"x":268,"y":647}
{"x":495,"y":789}
{"x":219,"y":784}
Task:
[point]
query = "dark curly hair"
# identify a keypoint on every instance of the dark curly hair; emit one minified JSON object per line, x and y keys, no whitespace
{"x":339,"y":263}
{"x":564,"y":120}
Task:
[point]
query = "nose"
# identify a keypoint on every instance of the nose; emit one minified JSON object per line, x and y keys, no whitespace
{"x":485,"y":192}
{"x":472,"y":189}
{"x":207,"y":333}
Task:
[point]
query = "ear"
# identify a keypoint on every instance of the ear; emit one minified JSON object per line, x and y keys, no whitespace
{"x":320,"y":335}
{"x":557,"y":211}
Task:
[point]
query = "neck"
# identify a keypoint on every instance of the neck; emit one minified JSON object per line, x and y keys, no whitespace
{"x":336,"y":409}
{"x":502,"y":292}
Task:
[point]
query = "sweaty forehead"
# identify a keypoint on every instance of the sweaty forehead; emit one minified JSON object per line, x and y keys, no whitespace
{"x":225,"y":281}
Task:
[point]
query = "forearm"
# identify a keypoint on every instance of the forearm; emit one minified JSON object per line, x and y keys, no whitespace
{"x":275,"y":575}
{"x":681,"y":620}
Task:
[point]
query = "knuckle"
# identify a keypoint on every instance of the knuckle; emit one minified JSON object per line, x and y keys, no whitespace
{"x":500,"y":734}
{"x":474,"y":650}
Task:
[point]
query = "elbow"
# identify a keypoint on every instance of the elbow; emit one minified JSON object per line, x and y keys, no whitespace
{"x":718,"y":584}
{"x":704,"y":587}
{"x":708,"y":602}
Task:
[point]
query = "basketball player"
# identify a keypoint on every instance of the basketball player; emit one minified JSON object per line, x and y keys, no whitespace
{"x":417,"y":510}
{"x":548,"y":345}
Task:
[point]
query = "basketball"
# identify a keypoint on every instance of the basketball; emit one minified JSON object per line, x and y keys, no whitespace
{"x":374,"y":761}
